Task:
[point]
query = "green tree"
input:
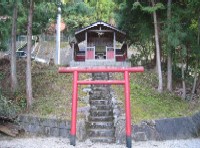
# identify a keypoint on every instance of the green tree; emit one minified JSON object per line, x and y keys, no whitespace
{"x":42,"y":15}
{"x":182,"y":39}
{"x":158,"y":59}
{"x":29,"y":96}
{"x":103,"y":9}
{"x":169,"y":55}
{"x":13,"y":49}
{"x":5,"y":25}
{"x":142,"y":11}
{"x":77,"y":16}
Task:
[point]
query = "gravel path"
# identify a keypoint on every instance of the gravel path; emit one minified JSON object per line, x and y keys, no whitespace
{"x":35,"y":142}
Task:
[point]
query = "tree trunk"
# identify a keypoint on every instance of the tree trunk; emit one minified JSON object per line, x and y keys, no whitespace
{"x":195,"y":78}
{"x":169,"y":56}
{"x":198,"y":84}
{"x":196,"y":64}
{"x":29,"y":97}
{"x":183,"y":79}
{"x":13,"y":50}
{"x":154,"y":58}
{"x":158,"y":62}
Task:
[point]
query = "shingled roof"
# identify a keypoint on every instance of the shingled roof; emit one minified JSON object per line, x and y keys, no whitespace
{"x":80,"y":34}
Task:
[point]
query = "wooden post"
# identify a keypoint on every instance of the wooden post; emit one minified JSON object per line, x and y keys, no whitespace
{"x":85,"y":44}
{"x":114,"y":45}
{"x":126,"y":57}
{"x":73,"y":51}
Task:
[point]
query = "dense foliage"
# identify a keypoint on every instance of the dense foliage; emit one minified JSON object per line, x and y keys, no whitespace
{"x":77,"y":15}
{"x":178,"y":33}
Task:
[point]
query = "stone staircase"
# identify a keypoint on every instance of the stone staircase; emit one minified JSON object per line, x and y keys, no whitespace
{"x":100,"y":121}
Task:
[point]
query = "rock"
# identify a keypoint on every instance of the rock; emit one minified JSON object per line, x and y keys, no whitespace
{"x":81,"y":130}
{"x":54,"y":132}
{"x":140,"y":136}
{"x":86,"y":89}
{"x":84,"y":109}
{"x":85,"y":99}
{"x":63,"y":132}
{"x":120,"y":130}
{"x":7,"y":131}
{"x":145,"y":131}
{"x":47,"y":131}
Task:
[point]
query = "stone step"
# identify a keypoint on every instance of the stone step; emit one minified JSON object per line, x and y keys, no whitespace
{"x":102,"y":139}
{"x":100,"y":90}
{"x":101,"y":113}
{"x":101,"y":118}
{"x":100,"y":107}
{"x":100,"y":102}
{"x":101,"y":125}
{"x":101,"y":132}
{"x":100,"y":87}
{"x":99,"y":95}
{"x":100,"y":98}
{"x":100,"y":76}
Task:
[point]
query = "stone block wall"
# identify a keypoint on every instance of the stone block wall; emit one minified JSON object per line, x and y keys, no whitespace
{"x":161,"y":129}
{"x":45,"y":126}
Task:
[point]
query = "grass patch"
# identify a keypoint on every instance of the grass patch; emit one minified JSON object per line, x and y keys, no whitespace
{"x":52,"y":92}
{"x":147,"y":103}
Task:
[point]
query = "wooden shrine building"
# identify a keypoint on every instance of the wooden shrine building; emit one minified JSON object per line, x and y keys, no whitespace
{"x":99,"y":44}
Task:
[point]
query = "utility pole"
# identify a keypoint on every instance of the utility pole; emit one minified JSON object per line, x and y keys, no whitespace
{"x":58,"y":35}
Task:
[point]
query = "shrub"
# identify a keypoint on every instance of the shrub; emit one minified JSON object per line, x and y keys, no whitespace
{"x":7,"y":108}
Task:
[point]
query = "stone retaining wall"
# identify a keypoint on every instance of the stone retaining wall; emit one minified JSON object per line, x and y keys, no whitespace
{"x":44,"y":126}
{"x":162,"y":129}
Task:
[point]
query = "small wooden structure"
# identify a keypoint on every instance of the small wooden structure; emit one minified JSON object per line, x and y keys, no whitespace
{"x":99,"y":43}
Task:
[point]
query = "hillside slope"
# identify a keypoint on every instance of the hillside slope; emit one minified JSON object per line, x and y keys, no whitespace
{"x":52,"y":93}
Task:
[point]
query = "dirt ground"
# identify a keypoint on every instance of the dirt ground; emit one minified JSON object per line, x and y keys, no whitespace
{"x":52,"y":142}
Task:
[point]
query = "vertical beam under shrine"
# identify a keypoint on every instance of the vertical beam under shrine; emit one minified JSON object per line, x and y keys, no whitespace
{"x":73,"y":51}
{"x":114,"y":44}
{"x":86,"y":36}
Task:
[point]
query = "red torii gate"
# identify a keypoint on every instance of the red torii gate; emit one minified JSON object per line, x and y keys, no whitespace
{"x":76,"y":82}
